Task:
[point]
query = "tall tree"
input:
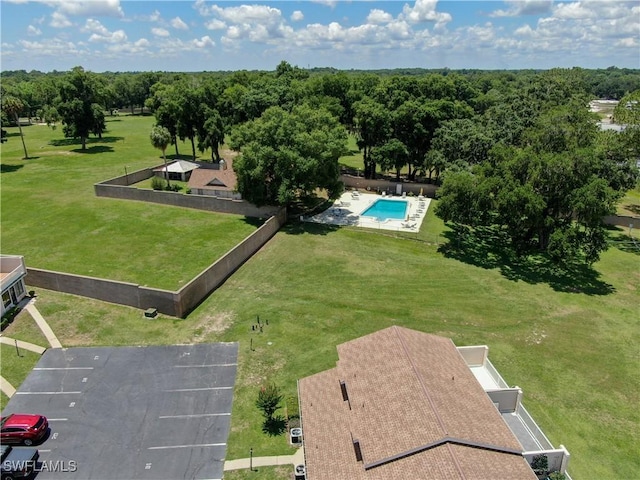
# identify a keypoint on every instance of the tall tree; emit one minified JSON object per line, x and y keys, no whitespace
{"x":12,"y":107}
{"x":288,"y":155}
{"x":373,"y":127}
{"x":79,"y":115}
{"x":211,"y":134}
{"x":160,"y":138}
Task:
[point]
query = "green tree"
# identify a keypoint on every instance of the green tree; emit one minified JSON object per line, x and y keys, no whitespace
{"x":288,"y":155}
{"x":628,"y":109}
{"x":373,"y":128}
{"x":391,"y":155}
{"x":160,"y":138}
{"x":12,"y":107}
{"x":211,"y":135}
{"x":80,"y":115}
{"x":269,"y":399}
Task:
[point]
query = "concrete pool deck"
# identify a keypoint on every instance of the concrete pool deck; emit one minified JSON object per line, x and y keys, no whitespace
{"x":347,"y":210}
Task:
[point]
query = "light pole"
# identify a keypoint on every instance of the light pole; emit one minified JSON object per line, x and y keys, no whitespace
{"x":126,"y":175}
{"x":251,"y":459}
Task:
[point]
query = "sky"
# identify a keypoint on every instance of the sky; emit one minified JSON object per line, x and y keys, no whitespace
{"x":168,"y":35}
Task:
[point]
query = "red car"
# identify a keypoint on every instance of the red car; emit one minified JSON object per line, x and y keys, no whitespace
{"x":23,"y":428}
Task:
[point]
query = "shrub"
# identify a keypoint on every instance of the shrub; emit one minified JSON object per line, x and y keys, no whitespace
{"x":557,"y":476}
{"x":158,"y":183}
{"x":540,"y":464}
{"x":269,"y":399}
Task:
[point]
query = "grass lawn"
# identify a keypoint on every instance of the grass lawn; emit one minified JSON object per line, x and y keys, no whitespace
{"x":261,"y":473}
{"x":51,"y":215}
{"x":15,"y":368}
{"x":574,"y":354}
{"x":571,"y":342}
{"x":630,"y":203}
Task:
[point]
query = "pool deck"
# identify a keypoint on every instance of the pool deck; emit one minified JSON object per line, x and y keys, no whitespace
{"x":347,"y":210}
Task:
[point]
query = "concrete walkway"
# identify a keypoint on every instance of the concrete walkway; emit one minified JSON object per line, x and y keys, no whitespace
{"x":6,"y":387}
{"x":26,"y":345}
{"x":243,"y":463}
{"x":44,"y":326}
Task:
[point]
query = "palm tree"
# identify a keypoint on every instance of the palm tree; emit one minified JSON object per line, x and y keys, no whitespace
{"x":12,"y":107}
{"x":160,"y":138}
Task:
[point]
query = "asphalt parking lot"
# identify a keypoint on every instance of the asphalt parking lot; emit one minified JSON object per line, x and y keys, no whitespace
{"x":159,"y":412}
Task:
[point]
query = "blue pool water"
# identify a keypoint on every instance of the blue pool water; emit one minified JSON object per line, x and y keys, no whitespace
{"x":384,"y":209}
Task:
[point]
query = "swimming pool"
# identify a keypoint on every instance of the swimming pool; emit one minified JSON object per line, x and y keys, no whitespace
{"x":387,"y":209}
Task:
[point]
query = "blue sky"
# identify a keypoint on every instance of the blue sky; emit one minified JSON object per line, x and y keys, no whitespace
{"x":119,"y":35}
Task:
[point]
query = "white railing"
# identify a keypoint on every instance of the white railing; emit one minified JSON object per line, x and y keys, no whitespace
{"x":533,"y":427}
{"x":491,"y":370}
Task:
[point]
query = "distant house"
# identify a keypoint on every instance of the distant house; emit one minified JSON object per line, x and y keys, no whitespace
{"x":215,"y":179}
{"x":178,"y":170}
{"x":405,"y":404}
{"x":12,"y":273}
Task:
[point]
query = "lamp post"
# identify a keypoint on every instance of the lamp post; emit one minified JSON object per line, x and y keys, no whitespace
{"x":126,"y":175}
{"x":251,"y":459}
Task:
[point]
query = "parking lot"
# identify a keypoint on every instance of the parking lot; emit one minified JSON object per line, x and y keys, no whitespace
{"x":159,"y":412}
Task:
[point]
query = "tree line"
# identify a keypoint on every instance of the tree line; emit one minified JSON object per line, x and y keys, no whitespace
{"x":514,"y":150}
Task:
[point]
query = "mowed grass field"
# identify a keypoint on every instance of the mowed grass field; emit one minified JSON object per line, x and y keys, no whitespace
{"x":571,"y":343}
{"x":51,"y":215}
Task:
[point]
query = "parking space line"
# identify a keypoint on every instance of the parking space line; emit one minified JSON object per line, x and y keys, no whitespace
{"x":196,"y":415}
{"x":47,"y":393}
{"x":207,"y":366}
{"x":58,"y":419}
{"x":63,"y":368}
{"x":188,"y":446}
{"x":197,"y":389}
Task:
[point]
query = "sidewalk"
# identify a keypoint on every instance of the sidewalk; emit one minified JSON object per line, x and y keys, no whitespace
{"x":242,"y":463}
{"x":26,"y":345}
{"x":6,"y":387}
{"x":42,"y":323}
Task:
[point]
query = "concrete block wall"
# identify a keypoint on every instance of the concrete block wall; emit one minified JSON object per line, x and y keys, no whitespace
{"x":177,"y":304}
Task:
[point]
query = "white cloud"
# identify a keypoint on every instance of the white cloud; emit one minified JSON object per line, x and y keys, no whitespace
{"x":257,"y":23}
{"x":629,"y":42}
{"x":114,"y":37}
{"x":90,"y":8}
{"x":155,"y":16}
{"x":53,"y":47}
{"x":142,"y":43}
{"x":179,"y":24}
{"x":94,"y":26}
{"x":203,"y":42}
{"x":297,"y":16}
{"x":100,"y":33}
{"x":33,"y":31}
{"x":328,"y":3}
{"x":160,"y":32}
{"x":524,"y":7}
{"x":425,"y":11}
{"x":59,"y":20}
{"x":215,"y":24}
{"x":379,"y":16}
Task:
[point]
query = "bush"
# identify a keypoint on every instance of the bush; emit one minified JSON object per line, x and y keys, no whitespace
{"x":269,"y":399}
{"x":557,"y":476}
{"x":158,"y":183}
{"x":540,"y":464}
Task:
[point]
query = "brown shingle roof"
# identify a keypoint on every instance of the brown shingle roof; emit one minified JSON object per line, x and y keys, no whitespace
{"x":213,"y":178}
{"x":415,"y":408}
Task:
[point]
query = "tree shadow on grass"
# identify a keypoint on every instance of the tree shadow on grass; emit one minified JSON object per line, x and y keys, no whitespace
{"x":63,"y":142}
{"x":274,"y":426}
{"x":182,"y":156}
{"x":487,"y":248}
{"x":299,"y":228}
{"x":4,"y":168}
{"x":94,"y":149}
